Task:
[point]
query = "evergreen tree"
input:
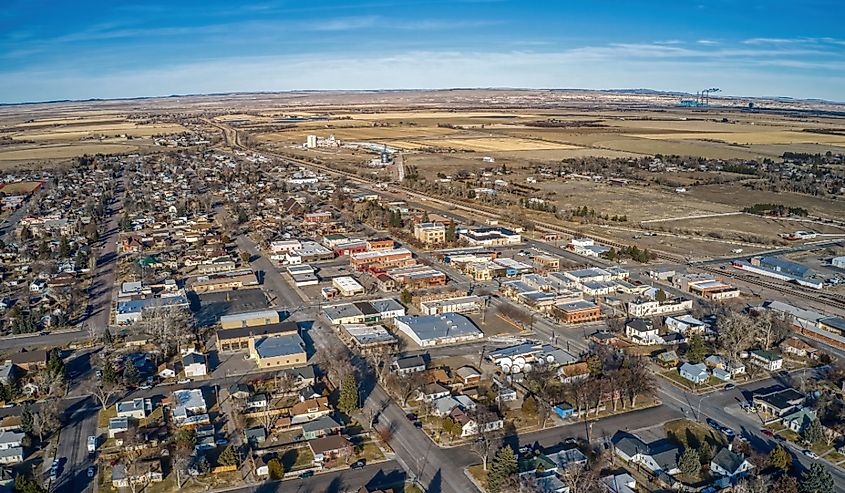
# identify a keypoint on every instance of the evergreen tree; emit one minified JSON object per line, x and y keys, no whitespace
{"x":780,"y":459}
{"x":705,"y":453}
{"x":26,"y":420}
{"x":689,"y":463}
{"x":660,"y":296}
{"x":276,"y":469}
{"x":348,"y":402}
{"x":450,"y":232}
{"x":64,"y":247}
{"x":130,"y":374}
{"x":227,"y":457}
{"x":406,"y":296}
{"x":24,"y":485}
{"x":502,"y":468}
{"x":55,"y":365}
{"x":813,"y":433}
{"x":108,"y":339}
{"x":611,"y":254}
{"x":695,"y":349}
{"x":109,"y":373}
{"x":816,"y":479}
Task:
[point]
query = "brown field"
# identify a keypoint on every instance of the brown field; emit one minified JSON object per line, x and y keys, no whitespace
{"x":63,"y":151}
{"x":760,"y":226}
{"x":748,"y":138}
{"x":20,"y":187}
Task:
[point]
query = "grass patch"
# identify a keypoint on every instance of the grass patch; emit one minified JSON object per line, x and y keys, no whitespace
{"x":104,"y":479}
{"x":478,"y":473}
{"x":370,"y":452}
{"x":297,"y":458}
{"x":155,"y":418}
{"x":409,"y":488}
{"x":689,"y":433}
{"x":835,"y":457}
{"x":105,"y":415}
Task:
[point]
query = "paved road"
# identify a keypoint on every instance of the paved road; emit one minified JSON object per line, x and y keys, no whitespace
{"x":376,"y":475}
{"x":98,"y":311}
{"x":81,"y":419}
{"x":10,"y":223}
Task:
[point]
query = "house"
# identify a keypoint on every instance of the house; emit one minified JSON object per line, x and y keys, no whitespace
{"x":118,"y":425}
{"x":29,"y":360}
{"x":667,"y":359}
{"x":189,"y":407}
{"x":257,"y":401}
{"x":433,"y":391}
{"x":779,"y":403}
{"x":330,"y":448}
{"x":468,"y":375}
{"x":695,"y":373}
{"x":505,"y":394}
{"x":767,"y":359}
{"x":569,"y":456}
{"x":149,"y":472}
{"x":136,"y":408}
{"x":685,"y":324}
{"x":240,"y":391}
{"x":641,"y":331}
{"x":620,"y":483}
{"x":660,"y":456}
{"x":309,"y":410}
{"x":799,"y":348}
{"x":470,"y":426}
{"x":409,"y":364}
{"x":168,"y":370}
{"x":11,"y":450}
{"x":444,"y":405}
{"x":256,"y":436}
{"x":195,"y":365}
{"x":799,"y":420}
{"x":727,"y":463}
{"x":320,"y":427}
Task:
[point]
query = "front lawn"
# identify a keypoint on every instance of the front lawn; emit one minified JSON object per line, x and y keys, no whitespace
{"x":690,"y":433}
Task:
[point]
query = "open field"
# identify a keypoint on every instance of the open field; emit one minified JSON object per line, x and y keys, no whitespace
{"x":63,"y":151}
{"x":20,"y":187}
{"x":747,"y":138}
{"x":746,"y":224}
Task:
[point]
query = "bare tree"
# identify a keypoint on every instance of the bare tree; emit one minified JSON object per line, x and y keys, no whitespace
{"x":46,"y":420}
{"x":581,"y":479}
{"x":487,"y":440}
{"x":736,"y":332}
{"x":104,"y":392}
{"x":48,"y":383}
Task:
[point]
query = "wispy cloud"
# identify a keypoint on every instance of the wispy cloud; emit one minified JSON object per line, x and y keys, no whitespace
{"x":707,"y":42}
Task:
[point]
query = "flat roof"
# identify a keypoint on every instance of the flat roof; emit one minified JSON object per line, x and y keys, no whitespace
{"x":260,"y":330}
{"x":576,"y":305}
{"x":440,"y":326}
{"x":282,"y":345}
{"x":242,"y":317}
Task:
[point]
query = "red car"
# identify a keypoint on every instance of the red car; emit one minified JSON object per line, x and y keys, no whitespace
{"x":767,"y":433}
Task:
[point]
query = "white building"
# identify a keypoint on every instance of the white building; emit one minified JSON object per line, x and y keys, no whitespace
{"x":347,"y":286}
{"x":136,"y":408}
{"x":432,"y":330}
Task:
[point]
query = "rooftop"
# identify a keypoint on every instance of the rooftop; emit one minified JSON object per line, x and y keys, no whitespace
{"x":277,"y":346}
{"x":440,"y":326}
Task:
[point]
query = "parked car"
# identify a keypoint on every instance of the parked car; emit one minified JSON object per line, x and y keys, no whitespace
{"x":809,"y":453}
{"x":767,"y":433}
{"x":418,"y":424}
{"x":411,"y":417}
{"x":306,"y":474}
{"x":91,"y":471}
{"x":728,"y":432}
{"x":358,"y":464}
{"x":730,"y":386}
{"x":780,"y":437}
{"x":713,"y":423}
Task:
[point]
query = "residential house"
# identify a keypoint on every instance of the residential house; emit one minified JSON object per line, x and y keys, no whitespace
{"x":309,"y":410}
{"x":256,"y":436}
{"x":695,"y":373}
{"x":641,"y":331}
{"x":117,"y":425}
{"x":685,"y":324}
{"x":667,"y":359}
{"x":195,"y":365}
{"x":468,"y":375}
{"x":189,"y":407}
{"x":766,"y":359}
{"x":320,"y":427}
{"x":409,"y":364}
{"x":11,"y":449}
{"x":136,"y":408}
{"x":330,"y":448}
{"x":149,"y":472}
{"x":620,"y":483}
{"x":796,"y":347}
{"x":433,"y":391}
{"x":799,"y":420}
{"x":660,"y":456}
{"x":730,"y":464}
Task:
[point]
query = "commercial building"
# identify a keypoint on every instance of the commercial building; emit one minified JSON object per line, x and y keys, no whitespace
{"x":224,"y":281}
{"x":416,"y":276}
{"x":707,"y":287}
{"x":489,"y":237}
{"x":784,"y":270}
{"x":249,"y":319}
{"x":650,"y":308}
{"x":463,"y":304}
{"x":430,"y":233}
{"x":238,"y":339}
{"x":381,"y":259}
{"x":431,"y":330}
{"x":132,"y":311}
{"x":838,"y":262}
{"x":579,"y":311}
{"x":278,"y":351}
{"x":347,"y":286}
{"x":368,"y":338}
{"x":364,"y":312}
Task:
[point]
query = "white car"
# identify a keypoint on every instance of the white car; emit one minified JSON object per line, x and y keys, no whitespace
{"x":184,"y":381}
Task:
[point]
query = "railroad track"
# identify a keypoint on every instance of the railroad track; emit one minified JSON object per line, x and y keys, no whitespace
{"x":832,"y":299}
{"x":485,"y":211}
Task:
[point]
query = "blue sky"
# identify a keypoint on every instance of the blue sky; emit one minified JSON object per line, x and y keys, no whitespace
{"x":102,"y":49}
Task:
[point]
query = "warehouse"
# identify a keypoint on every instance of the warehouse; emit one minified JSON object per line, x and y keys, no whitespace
{"x":432,"y":330}
{"x":347,"y":286}
{"x":278,"y":351}
{"x":361,"y":312}
{"x":463,"y":304}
